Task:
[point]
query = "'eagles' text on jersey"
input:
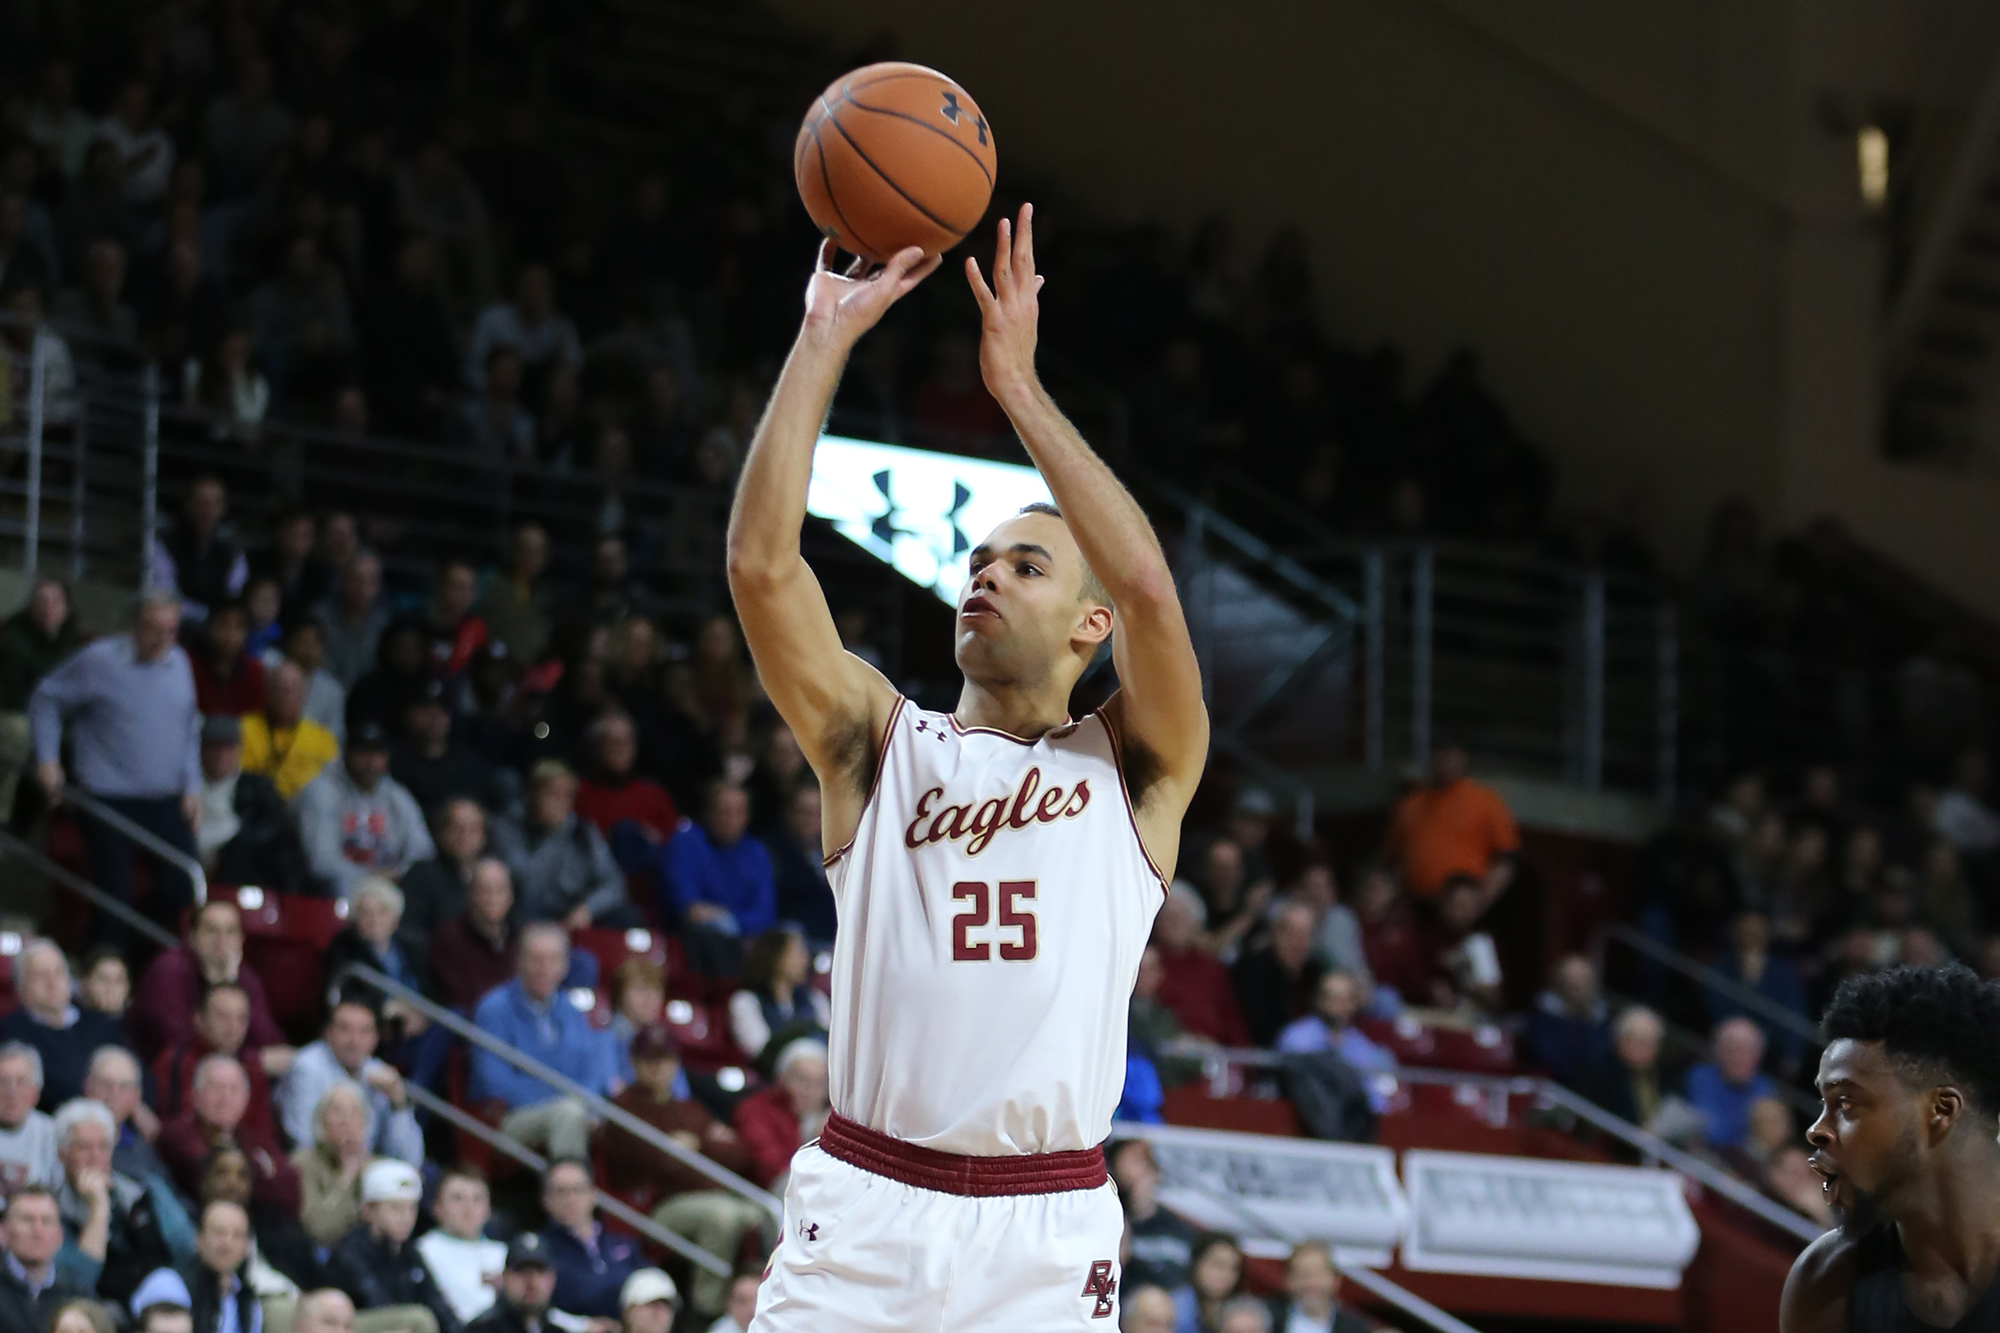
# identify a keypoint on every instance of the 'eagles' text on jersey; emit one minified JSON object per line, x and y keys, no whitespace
{"x":993,"y":906}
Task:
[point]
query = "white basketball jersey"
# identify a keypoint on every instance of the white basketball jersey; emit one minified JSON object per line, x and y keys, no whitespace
{"x":993,"y":907}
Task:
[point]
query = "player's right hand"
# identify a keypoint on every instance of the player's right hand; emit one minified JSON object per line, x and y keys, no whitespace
{"x":843,"y":306}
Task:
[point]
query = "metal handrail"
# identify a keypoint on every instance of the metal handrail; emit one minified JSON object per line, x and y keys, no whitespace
{"x":1403,"y":1299}
{"x":1554,"y":1094}
{"x":1212,"y":520}
{"x":599,"y":1106}
{"x":1733,"y":990}
{"x":534,"y":1161}
{"x":11,"y":845}
{"x":145,"y":837}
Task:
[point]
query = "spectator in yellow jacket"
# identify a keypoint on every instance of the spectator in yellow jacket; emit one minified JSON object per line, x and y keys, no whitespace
{"x":281,"y":742}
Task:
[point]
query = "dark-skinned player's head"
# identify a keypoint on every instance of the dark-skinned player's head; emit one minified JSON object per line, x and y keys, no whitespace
{"x":1911,"y":1083}
{"x":1031,"y":611}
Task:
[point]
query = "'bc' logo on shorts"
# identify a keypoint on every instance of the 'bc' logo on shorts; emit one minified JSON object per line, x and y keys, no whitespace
{"x":1103,"y":1286}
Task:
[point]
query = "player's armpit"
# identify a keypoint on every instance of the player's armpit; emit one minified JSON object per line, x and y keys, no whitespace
{"x":835,"y":703}
{"x":1159,"y":707}
{"x":1819,"y":1288}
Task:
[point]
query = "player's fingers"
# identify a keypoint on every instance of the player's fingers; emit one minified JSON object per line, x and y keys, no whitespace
{"x":1024,"y":241}
{"x":859,"y":268}
{"x":1003,"y":257}
{"x":824,"y":260}
{"x":1039,"y":280}
{"x":980,"y":291}
{"x":902,"y":262}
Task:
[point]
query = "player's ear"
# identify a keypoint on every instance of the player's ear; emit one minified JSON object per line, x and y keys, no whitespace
{"x":1947,"y":1108}
{"x":1093,"y":625}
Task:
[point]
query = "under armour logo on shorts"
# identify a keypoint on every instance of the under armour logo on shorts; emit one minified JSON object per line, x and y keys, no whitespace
{"x":808,"y":1231}
{"x":1103,"y":1286}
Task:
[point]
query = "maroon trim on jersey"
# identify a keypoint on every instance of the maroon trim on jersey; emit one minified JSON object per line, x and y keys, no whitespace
{"x":1004,"y":735}
{"x":1131,"y":811}
{"x":953,"y":1173}
{"x":881,"y":762}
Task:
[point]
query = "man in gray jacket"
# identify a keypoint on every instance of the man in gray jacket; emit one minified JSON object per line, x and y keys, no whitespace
{"x":134,"y":737}
{"x":355,"y":820}
{"x":562,"y":867}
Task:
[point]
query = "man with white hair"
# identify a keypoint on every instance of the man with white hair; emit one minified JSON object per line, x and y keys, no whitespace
{"x":50,"y":1021}
{"x":345,"y":1053}
{"x":531,"y":1014}
{"x":214,"y":1119}
{"x":379,"y":1266}
{"x":116,"y":1229}
{"x":114,"y":1081}
{"x":27,"y":1136}
{"x":778,"y":1121}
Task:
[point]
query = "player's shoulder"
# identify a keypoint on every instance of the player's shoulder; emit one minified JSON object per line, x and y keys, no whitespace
{"x":1818,"y":1289}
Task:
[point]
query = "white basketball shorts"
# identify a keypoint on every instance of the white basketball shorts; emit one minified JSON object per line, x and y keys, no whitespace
{"x":863,"y":1250}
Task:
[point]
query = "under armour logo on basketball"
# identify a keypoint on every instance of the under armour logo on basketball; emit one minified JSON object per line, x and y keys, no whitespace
{"x":951,"y":111}
{"x":808,"y":1231}
{"x":1104,"y":1287}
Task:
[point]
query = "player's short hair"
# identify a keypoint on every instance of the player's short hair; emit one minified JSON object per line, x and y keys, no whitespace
{"x":1936,"y":1025}
{"x":1092,"y":590}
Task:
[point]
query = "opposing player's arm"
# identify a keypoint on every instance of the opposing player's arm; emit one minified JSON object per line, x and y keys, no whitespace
{"x":834,"y":703}
{"x":1159,"y":709}
{"x":1819,"y":1288}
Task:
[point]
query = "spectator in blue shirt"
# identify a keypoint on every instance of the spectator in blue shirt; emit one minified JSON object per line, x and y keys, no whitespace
{"x":1569,"y":1032}
{"x":719,"y":882}
{"x":1724,"y":1089}
{"x":135,"y":743}
{"x":1330,"y":1027}
{"x":590,"y":1263}
{"x":531,"y":1014}
{"x":1749,"y":964}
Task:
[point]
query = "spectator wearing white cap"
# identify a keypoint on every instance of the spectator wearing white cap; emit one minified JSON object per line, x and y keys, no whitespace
{"x":378,"y":1265}
{"x":648,"y":1302}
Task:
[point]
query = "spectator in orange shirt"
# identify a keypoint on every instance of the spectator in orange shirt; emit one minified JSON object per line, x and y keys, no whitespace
{"x":1452,"y":826}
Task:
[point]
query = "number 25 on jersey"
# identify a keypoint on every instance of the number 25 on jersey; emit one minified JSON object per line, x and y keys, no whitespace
{"x":1014,"y":936}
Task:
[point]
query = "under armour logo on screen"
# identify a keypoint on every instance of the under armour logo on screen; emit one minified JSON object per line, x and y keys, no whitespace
{"x":1103,"y":1286}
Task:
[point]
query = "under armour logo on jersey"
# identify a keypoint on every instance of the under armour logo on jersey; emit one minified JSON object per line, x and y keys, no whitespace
{"x":1104,"y":1287}
{"x":924,"y":724}
{"x":808,"y":1231}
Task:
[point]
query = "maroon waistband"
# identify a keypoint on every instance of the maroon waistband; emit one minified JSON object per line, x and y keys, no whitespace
{"x":951,"y":1173}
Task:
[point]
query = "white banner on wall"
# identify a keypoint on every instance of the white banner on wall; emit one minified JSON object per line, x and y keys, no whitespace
{"x":1270,"y":1192}
{"x":1566,"y":1221}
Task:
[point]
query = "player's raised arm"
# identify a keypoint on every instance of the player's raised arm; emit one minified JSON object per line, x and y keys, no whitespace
{"x":1159,"y":705}
{"x":834,"y":703}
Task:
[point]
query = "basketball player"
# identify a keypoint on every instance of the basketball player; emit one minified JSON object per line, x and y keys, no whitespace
{"x":1906,"y":1154}
{"x":996,"y":868}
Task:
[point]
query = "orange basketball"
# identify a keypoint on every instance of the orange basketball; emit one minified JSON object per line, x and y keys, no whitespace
{"x":894,"y":155}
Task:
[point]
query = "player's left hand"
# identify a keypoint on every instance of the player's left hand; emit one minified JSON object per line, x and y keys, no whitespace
{"x":1010,"y":309}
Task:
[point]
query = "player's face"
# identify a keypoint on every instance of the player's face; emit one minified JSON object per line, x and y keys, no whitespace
{"x":1866,"y":1142}
{"x":1020,"y":611}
